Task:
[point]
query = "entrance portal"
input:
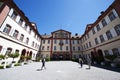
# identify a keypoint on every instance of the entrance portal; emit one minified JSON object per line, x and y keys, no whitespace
{"x":61,"y":56}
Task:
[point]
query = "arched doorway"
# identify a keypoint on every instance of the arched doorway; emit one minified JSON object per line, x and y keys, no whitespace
{"x":30,"y":54}
{"x":23,"y":55}
{"x":100,"y":55}
{"x":55,"y":56}
{"x":67,"y":56}
{"x":93,"y":57}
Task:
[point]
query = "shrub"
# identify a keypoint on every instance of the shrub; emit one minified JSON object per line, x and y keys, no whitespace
{"x":1,"y":66}
{"x":75,"y":59}
{"x":47,"y":59}
{"x":2,"y":56}
{"x":17,"y":64}
{"x":7,"y":66}
{"x":38,"y":59}
{"x":13,"y":55}
{"x":111,"y":57}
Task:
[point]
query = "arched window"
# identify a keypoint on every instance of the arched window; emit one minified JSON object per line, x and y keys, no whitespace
{"x":9,"y":50}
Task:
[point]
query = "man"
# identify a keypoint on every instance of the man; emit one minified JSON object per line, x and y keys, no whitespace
{"x":89,"y":61}
{"x":81,"y":62}
{"x":43,"y":63}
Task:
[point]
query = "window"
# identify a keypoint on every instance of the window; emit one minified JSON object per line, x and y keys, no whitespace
{"x":54,"y":47}
{"x":25,"y":26}
{"x":43,"y":47}
{"x":88,"y":36}
{"x":117,"y":29}
{"x":66,"y":35}
{"x":73,"y":42}
{"x":66,"y":41}
{"x":20,"y":22}
{"x":106,"y":52}
{"x":66,"y":48}
{"x":55,"y":35}
{"x":78,"y":42}
{"x":21,"y":37}
{"x":1,"y":3}
{"x":98,"y":27}
{"x":86,"y":45}
{"x":109,"y":35}
{"x":85,"y":37}
{"x":61,"y":42}
{"x":90,"y":44}
{"x":104,"y":23}
{"x":47,"y":47}
{"x":102,"y":38}
{"x":15,"y":34}
{"x":33,"y":44}
{"x":48,"y":41}
{"x":0,"y":48}
{"x":43,"y":41}
{"x":9,"y":50}
{"x":60,"y":47}
{"x":16,"y":51}
{"x":74,"y":56}
{"x":111,"y":16}
{"x":115,"y":51}
{"x":55,"y":41}
{"x":78,"y":48}
{"x":27,"y":40}
{"x":73,"y":48}
{"x":30,"y":30}
{"x":96,"y":41}
{"x":93,"y":31}
{"x":7,"y":29}
{"x":14,"y":15}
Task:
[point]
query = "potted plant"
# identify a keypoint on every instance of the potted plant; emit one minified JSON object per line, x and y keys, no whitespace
{"x":4,"y":62}
{"x":13,"y":55}
{"x":111,"y":58}
{"x":2,"y":56}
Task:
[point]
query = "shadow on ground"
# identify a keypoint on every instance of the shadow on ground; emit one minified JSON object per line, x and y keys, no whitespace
{"x":115,"y":69}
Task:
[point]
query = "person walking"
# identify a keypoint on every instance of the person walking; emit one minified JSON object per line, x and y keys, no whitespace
{"x":81,"y":62}
{"x":43,"y":63}
{"x":89,"y":61}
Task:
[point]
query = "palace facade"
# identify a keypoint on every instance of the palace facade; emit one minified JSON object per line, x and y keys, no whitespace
{"x":60,"y":45}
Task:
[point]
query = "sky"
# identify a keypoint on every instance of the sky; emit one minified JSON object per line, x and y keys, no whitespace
{"x":69,"y":15}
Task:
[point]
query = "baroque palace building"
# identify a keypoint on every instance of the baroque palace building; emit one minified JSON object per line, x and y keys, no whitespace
{"x":60,"y":45}
{"x":18,"y":34}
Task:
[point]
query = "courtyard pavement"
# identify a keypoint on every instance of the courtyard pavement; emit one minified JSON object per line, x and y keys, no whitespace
{"x":57,"y":70}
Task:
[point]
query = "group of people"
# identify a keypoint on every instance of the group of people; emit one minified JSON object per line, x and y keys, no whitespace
{"x":88,"y":59}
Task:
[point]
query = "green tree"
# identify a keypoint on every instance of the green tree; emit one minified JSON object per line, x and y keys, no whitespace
{"x":2,"y":56}
{"x":13,"y":55}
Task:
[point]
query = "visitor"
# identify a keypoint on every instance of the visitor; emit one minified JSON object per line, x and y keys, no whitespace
{"x":88,"y":62}
{"x":43,"y":63}
{"x":81,"y":62}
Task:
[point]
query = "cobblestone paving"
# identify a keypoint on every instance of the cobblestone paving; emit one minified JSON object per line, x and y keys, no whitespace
{"x":57,"y":70}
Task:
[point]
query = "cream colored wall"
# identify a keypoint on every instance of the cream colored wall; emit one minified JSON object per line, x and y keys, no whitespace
{"x":110,"y":26}
{"x":16,"y":44}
